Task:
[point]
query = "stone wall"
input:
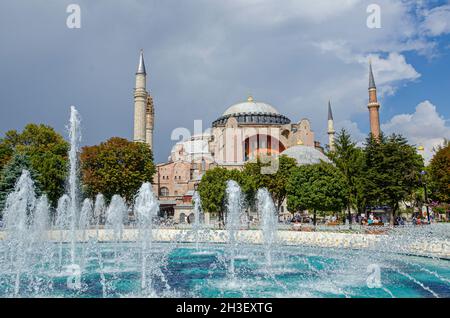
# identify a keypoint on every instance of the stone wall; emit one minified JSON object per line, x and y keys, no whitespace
{"x":434,"y":248}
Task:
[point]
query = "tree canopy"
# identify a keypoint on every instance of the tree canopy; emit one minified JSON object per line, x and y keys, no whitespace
{"x":46,"y":152}
{"x":439,"y":170}
{"x":349,"y":159}
{"x":212,"y":188}
{"x":117,"y":166}
{"x":317,"y":187}
{"x":11,"y":172}
{"x":392,"y":171}
{"x":255,"y":177}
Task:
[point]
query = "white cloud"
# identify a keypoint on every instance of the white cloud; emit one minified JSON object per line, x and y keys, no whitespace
{"x":425,"y":127}
{"x":393,"y":68}
{"x":270,"y":12}
{"x":437,"y":21}
{"x":389,"y":72}
{"x":352,"y":128}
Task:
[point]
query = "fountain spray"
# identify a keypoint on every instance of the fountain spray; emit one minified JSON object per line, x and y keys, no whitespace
{"x":234,"y":207}
{"x":99,"y":212}
{"x":75,"y":138}
{"x":20,"y":204}
{"x":146,"y":207}
{"x":197,"y":223}
{"x":268,"y":212}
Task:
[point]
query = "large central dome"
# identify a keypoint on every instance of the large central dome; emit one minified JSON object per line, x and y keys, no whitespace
{"x":252,"y":112}
{"x":250,"y":107}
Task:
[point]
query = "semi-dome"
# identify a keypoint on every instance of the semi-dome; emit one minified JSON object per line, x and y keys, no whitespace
{"x":252,"y":112}
{"x":305,"y":155}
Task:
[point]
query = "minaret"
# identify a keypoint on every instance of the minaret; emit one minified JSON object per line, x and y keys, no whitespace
{"x":149,"y":121}
{"x":331,"y":131}
{"x":140,"y":101}
{"x":373,"y":106}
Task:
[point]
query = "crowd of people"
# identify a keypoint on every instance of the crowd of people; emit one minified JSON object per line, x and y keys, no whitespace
{"x":371,"y":219}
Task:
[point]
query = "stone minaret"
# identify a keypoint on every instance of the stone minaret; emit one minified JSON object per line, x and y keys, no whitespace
{"x":140,"y":101}
{"x":149,"y":118}
{"x":143,"y":107}
{"x":373,"y":106}
{"x":331,"y":131}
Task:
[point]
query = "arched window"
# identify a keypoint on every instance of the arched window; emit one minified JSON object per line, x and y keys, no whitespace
{"x":164,"y":192}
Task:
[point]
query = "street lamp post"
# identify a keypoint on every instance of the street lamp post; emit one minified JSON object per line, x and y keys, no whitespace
{"x":424,"y":183}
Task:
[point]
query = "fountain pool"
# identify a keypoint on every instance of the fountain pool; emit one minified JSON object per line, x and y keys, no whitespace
{"x":113,"y":270}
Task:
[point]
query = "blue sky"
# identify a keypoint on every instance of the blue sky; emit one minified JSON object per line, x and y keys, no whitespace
{"x":433,"y":85}
{"x":202,"y":56}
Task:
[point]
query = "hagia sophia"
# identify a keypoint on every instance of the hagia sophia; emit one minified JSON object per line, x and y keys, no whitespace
{"x":242,"y":132}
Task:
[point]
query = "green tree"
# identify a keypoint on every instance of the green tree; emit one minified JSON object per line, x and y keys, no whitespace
{"x":439,"y":174}
{"x":47,"y":153}
{"x":212,"y":188}
{"x":349,"y":159}
{"x":317,"y":187}
{"x":117,"y":166}
{"x":7,"y":145}
{"x":392,"y":171}
{"x":11,"y":172}
{"x":272,"y":175}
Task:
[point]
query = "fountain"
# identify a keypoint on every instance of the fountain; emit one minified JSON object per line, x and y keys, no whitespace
{"x":61,"y":223}
{"x":146,"y":209}
{"x":70,"y":255}
{"x":268,"y":212}
{"x":233,"y":223}
{"x":20,"y":205}
{"x":115,"y":216}
{"x":197,"y":222}
{"x":98,"y":213}
{"x":41,"y":221}
{"x":85,"y":214}
{"x":75,"y":138}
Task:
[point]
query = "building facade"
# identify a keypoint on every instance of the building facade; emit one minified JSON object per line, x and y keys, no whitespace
{"x":244,"y":131}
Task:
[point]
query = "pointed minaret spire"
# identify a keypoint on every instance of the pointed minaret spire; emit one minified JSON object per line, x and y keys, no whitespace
{"x":330,"y":113}
{"x":331,"y":130}
{"x":141,"y":66}
{"x":371,"y":78}
{"x":373,"y":105}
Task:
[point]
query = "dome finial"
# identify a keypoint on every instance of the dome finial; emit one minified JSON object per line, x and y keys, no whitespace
{"x":250,"y":98}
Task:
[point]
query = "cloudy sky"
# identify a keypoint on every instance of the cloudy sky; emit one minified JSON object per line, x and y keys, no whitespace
{"x":204,"y":55}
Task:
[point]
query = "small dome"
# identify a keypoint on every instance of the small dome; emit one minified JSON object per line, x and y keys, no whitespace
{"x":250,"y":107}
{"x":305,"y":155}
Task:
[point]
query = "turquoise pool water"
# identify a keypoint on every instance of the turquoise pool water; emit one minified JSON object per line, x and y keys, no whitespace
{"x":114,"y":270}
